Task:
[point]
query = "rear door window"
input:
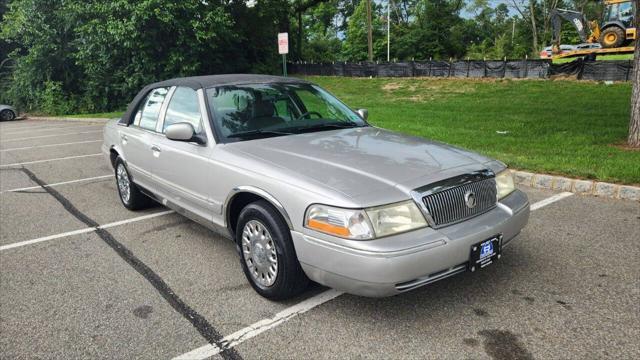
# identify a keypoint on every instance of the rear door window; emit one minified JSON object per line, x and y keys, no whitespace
{"x":184,"y":107}
{"x":147,"y":114}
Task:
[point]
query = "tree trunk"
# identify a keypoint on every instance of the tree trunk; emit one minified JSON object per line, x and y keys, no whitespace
{"x":634,"y":122}
{"x":534,"y":29}
{"x":300,"y":27}
{"x":369,"y":31}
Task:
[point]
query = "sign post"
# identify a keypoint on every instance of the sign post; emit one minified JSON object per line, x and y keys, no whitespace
{"x":283,"y":49}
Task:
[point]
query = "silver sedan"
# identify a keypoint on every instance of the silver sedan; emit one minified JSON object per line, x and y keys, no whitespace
{"x":308,"y":189}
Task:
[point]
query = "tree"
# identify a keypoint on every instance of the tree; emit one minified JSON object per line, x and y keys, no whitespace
{"x":438,"y":30}
{"x":41,"y":33}
{"x":634,"y":121}
{"x":320,"y":41}
{"x":355,"y":44}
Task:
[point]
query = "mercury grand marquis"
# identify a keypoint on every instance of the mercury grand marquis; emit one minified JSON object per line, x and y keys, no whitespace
{"x":307,"y":189}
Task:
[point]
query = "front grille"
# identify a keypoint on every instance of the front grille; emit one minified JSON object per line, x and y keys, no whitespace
{"x":449,"y":206}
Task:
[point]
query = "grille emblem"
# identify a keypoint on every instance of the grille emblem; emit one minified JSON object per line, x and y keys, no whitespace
{"x":470,"y":199}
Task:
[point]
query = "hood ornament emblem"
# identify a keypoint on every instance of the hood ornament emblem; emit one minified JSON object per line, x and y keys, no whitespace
{"x":470,"y":199}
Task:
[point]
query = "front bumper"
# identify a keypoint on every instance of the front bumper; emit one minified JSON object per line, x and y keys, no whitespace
{"x":377,"y":270}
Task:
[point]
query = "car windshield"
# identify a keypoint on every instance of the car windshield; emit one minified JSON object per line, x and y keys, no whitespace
{"x":243,"y":112}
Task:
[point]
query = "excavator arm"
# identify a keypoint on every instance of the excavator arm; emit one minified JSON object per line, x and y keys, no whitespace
{"x":578,"y":20}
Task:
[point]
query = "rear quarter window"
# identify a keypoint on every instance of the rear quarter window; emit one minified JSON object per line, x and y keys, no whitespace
{"x":147,"y":114}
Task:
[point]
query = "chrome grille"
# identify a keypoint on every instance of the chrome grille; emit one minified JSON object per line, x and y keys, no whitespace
{"x":449,"y":206}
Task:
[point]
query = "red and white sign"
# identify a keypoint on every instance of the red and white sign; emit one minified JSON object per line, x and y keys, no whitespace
{"x":283,"y":43}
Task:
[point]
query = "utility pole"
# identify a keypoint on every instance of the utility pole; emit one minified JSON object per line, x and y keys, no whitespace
{"x":369,"y":31}
{"x":388,"y":29}
{"x":513,"y":31}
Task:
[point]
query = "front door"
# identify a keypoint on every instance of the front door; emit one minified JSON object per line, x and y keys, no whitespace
{"x":182,"y":167}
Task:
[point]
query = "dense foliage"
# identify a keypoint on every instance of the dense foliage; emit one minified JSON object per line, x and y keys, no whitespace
{"x":63,"y":56}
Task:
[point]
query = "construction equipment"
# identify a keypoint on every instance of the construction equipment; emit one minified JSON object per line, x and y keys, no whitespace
{"x":616,"y":30}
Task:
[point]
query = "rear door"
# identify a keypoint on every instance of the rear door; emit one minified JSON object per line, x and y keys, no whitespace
{"x":182,"y":169}
{"x":138,"y":138}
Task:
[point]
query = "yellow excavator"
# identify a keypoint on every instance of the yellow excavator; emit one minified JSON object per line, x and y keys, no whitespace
{"x":615,"y":33}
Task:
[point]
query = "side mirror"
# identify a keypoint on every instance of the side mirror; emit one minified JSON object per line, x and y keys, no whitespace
{"x":183,"y":132}
{"x":364,"y":113}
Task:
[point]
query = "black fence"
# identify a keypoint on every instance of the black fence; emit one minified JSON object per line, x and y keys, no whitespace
{"x":614,"y":70}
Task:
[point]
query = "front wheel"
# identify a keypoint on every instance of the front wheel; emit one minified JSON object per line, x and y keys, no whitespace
{"x":130,"y":196}
{"x":612,"y":37}
{"x":267,"y":255}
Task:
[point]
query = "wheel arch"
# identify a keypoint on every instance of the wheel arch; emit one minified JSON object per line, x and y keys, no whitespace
{"x":241,"y":196}
{"x":113,"y":156}
{"x":611,"y":24}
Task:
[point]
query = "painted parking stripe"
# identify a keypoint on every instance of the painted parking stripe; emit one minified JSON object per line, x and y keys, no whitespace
{"x":83,"y":231}
{"x":34,"y":127}
{"x":50,"y":145}
{"x":261,"y":326}
{"x":52,"y":135}
{"x":48,"y":129}
{"x":25,"y":124}
{"x":550,"y":200}
{"x":48,"y":160}
{"x":103,"y":177}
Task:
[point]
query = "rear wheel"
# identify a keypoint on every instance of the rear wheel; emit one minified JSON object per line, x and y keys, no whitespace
{"x":130,"y":196}
{"x":267,"y":255}
{"x":7,"y":115}
{"x":612,"y":37}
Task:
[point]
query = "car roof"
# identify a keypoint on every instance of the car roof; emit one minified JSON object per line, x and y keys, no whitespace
{"x":207,"y":81}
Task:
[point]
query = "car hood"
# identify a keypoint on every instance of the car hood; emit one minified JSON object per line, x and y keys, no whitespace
{"x":362,"y":162}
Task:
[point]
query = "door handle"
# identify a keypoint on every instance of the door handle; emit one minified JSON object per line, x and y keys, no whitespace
{"x":123,"y":137}
{"x":155,"y":148}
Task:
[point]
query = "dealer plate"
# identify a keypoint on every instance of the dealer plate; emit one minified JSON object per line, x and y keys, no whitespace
{"x":484,"y":253}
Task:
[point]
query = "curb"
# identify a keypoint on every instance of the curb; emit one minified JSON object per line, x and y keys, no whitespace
{"x":47,"y":118}
{"x":582,"y":187}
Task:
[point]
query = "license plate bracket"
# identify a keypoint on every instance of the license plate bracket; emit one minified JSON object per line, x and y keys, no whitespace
{"x":485,"y":253}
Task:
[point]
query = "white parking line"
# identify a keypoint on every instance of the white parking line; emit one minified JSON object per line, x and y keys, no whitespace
{"x":48,"y":160}
{"x":550,"y":200}
{"x":28,"y":126}
{"x":25,"y":124}
{"x":57,"y":184}
{"x":261,"y":326}
{"x":50,"y":145}
{"x":52,"y":135}
{"x":48,"y":129}
{"x":85,"y":230}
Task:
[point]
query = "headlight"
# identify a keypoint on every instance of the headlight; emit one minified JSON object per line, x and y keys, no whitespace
{"x":345,"y":223}
{"x":365,"y":224}
{"x":396,"y":218}
{"x":504,"y":183}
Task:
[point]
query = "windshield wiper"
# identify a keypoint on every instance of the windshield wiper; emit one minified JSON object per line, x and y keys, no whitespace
{"x":332,"y":125}
{"x":251,"y":133}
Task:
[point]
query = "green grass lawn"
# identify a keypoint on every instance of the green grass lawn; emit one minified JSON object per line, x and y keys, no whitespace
{"x":570,"y":128}
{"x":600,"y":57}
{"x":108,"y":115}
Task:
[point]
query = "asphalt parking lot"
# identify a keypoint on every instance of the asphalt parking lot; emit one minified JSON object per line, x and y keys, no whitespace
{"x":82,"y":277}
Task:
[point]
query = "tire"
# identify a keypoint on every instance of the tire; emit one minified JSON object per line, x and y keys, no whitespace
{"x":612,"y":37}
{"x":135,"y":200}
{"x":7,"y":115}
{"x":261,"y":236}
